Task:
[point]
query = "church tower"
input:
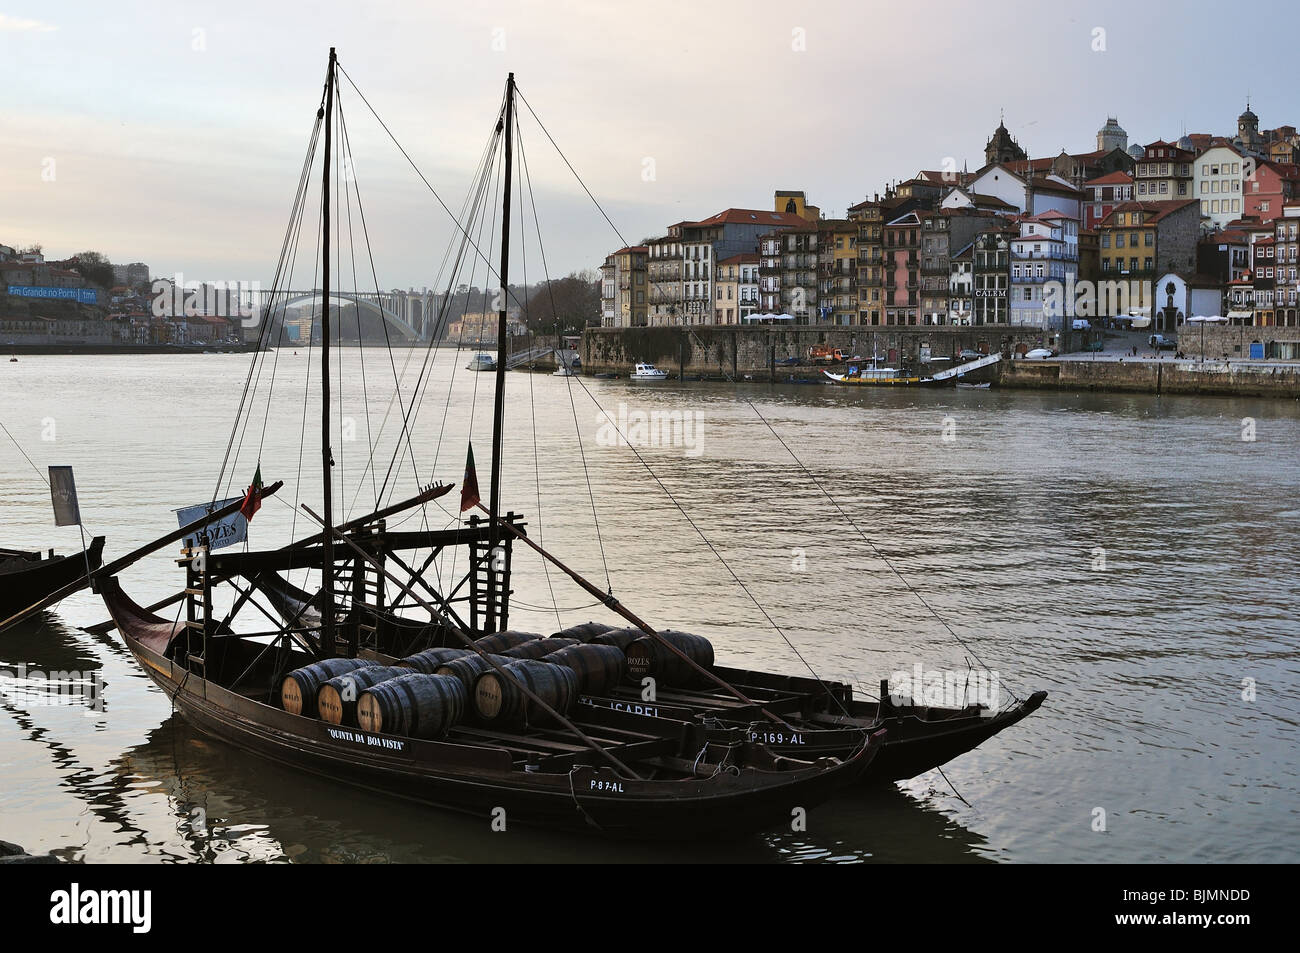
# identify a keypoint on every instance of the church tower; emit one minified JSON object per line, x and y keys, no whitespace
{"x":1248,"y":130}
{"x":1002,"y":147}
{"x":1111,"y":136}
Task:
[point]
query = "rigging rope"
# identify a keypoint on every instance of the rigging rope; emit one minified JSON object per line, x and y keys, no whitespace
{"x":768,"y":424}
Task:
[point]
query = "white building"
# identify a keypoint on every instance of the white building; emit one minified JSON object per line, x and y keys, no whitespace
{"x":1184,"y":296}
{"x":1218,"y":179}
{"x":1046,"y":251}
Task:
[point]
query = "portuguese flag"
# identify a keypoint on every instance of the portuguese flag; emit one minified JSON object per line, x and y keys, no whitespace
{"x":469,"y":486}
{"x":253,"y":498}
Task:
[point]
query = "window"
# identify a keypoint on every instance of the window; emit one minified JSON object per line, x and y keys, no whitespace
{"x":1119,"y":240}
{"x":1150,"y":239}
{"x":1105,"y":240}
{"x":1147,"y":263}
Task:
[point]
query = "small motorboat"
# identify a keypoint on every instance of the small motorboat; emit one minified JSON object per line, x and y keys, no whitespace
{"x":605,"y":377}
{"x":648,"y":372}
{"x":482,"y":362}
{"x":564,"y":370}
{"x":965,"y":386}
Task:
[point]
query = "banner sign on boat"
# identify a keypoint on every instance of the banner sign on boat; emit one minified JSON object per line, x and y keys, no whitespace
{"x":63,"y":494}
{"x":226,"y":532}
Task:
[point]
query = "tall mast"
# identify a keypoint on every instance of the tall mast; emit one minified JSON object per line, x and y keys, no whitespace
{"x":494,"y":507}
{"x":327,"y":458}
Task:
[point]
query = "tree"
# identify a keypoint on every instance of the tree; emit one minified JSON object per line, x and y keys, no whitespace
{"x":95,"y":268}
{"x":563,"y":304}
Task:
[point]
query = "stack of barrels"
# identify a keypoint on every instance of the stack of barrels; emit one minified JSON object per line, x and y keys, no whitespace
{"x":359,"y":693}
{"x":508,"y":679}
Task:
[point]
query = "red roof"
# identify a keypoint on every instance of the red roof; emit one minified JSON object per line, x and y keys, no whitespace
{"x":744,"y":258}
{"x":751,"y":216}
{"x":1115,"y":178}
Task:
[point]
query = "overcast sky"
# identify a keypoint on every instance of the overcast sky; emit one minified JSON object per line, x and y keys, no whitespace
{"x":173,"y":133}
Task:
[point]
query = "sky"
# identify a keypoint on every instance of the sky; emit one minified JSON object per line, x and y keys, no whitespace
{"x":174,"y":133}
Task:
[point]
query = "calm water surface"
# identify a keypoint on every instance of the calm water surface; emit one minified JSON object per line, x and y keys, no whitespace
{"x":1132,"y":555}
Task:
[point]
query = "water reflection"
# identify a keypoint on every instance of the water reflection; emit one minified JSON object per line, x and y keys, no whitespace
{"x":228,"y":805}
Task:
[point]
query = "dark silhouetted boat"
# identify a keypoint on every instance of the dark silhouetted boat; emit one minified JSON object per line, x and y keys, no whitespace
{"x":28,"y":577}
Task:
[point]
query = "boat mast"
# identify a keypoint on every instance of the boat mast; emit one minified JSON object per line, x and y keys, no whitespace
{"x":494,"y":498}
{"x":327,"y":458}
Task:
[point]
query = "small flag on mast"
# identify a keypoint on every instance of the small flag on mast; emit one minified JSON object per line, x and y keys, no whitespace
{"x":253,"y":498}
{"x":63,"y":494}
{"x":469,"y":486}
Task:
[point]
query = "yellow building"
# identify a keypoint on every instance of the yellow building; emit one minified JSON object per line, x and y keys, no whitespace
{"x":795,"y":203}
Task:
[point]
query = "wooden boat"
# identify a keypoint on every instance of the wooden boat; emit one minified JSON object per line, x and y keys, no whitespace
{"x":684,"y":787}
{"x":26,"y":577}
{"x":826,"y":719}
{"x":578,"y":768}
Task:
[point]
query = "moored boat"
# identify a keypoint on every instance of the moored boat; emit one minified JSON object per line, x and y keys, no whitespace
{"x":28,"y":577}
{"x":647,"y":372}
{"x":550,"y":761}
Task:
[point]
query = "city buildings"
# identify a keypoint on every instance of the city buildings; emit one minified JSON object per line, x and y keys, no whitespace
{"x":953,"y":246}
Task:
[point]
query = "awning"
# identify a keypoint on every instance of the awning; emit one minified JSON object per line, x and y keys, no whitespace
{"x":1241,"y":314}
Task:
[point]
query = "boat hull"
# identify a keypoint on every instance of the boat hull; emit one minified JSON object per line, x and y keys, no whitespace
{"x":482,"y":780}
{"x":23,"y":584}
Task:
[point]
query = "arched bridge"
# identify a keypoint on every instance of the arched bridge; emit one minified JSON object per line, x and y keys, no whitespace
{"x":412,"y":313}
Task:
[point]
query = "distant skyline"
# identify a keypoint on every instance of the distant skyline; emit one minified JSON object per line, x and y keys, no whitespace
{"x":173,"y":133}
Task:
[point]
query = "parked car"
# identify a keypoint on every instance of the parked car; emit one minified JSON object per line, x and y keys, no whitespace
{"x":1081,"y":324}
{"x":1162,"y":343}
{"x":1038,"y":353}
{"x":969,"y":354}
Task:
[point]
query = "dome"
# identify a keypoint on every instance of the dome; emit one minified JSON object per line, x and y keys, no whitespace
{"x":1186,"y":144}
{"x":1136,"y":151}
{"x":1248,"y":116}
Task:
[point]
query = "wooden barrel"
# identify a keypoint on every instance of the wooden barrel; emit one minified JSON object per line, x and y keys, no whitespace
{"x":619,"y":638}
{"x":647,"y":656}
{"x":499,"y":700}
{"x":598,"y":667}
{"x":429,"y":660}
{"x":584,"y":632}
{"x":414,"y":705}
{"x":538,"y":648}
{"x":467,"y":668}
{"x":500,"y":641}
{"x":299,"y":688}
{"x":336,"y":701}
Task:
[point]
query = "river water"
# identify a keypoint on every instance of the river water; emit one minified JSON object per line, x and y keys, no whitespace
{"x":1134,"y":556}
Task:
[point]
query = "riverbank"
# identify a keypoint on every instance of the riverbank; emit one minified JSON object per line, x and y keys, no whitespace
{"x":780,"y":355}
